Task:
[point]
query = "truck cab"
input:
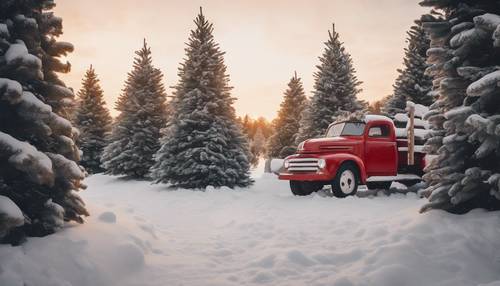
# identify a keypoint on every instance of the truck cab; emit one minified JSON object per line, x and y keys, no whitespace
{"x":351,"y":153}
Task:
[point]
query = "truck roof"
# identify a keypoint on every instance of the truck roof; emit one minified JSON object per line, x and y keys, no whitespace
{"x":364,"y":118}
{"x":374,"y":117}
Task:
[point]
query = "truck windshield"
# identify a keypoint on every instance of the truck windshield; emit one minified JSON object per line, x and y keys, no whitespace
{"x":346,"y":129}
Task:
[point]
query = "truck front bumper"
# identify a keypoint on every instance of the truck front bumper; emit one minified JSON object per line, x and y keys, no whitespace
{"x":309,"y":176}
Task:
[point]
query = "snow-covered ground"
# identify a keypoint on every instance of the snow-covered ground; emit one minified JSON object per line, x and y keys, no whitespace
{"x":143,"y":234}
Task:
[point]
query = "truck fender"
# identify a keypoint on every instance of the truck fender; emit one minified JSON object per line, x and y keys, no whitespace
{"x":334,"y":161}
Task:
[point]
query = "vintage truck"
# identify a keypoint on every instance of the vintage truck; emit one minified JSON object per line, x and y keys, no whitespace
{"x":370,"y":151}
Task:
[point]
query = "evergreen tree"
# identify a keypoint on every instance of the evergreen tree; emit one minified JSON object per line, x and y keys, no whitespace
{"x":93,"y":121}
{"x":465,"y":56}
{"x":412,"y":84}
{"x":203,"y":144}
{"x":38,"y":169}
{"x":135,"y":135}
{"x":286,"y":125}
{"x":335,"y":90}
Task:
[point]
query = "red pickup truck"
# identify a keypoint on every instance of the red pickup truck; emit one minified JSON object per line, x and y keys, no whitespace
{"x":362,"y":151}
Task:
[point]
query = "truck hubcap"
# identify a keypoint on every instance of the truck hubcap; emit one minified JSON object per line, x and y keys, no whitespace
{"x":347,"y":182}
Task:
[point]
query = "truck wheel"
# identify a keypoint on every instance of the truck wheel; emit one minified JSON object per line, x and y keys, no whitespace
{"x":378,"y":185}
{"x":346,"y":181}
{"x":301,"y":188}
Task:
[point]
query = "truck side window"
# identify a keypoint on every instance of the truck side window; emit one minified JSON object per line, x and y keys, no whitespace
{"x":379,"y":131}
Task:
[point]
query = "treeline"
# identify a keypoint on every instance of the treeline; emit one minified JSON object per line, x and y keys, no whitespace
{"x":192,"y":141}
{"x":257,"y":132}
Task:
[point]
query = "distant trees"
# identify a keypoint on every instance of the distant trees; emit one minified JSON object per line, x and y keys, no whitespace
{"x":203,"y":144}
{"x":286,"y":125}
{"x":38,"y":156}
{"x":335,"y":90}
{"x":256,"y":132}
{"x":464,"y":58}
{"x":93,"y":121}
{"x":377,"y":106}
{"x":412,"y":84}
{"x":135,"y":135}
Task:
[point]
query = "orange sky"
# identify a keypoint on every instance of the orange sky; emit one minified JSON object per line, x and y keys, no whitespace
{"x":264,"y":41}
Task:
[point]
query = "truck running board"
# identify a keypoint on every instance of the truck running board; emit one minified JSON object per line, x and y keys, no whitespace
{"x":399,"y":177}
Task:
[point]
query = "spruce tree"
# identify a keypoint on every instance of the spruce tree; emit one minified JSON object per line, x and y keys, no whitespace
{"x":465,"y":118}
{"x":38,"y":157}
{"x":286,"y":125}
{"x":135,"y":135}
{"x":335,"y":89}
{"x":93,"y":121}
{"x":203,"y":144}
{"x":412,"y":83}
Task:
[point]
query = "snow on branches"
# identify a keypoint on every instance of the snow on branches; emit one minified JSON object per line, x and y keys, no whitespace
{"x":203,"y":144}
{"x":38,"y":156}
{"x":466,"y":115}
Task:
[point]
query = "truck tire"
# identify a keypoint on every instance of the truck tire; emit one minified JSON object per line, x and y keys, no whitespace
{"x":346,"y":181}
{"x":378,"y":185}
{"x":301,"y":188}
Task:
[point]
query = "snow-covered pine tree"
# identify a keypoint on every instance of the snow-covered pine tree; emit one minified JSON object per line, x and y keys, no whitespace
{"x":135,"y":135}
{"x":203,"y":144}
{"x":286,"y":125}
{"x":38,"y":169}
{"x":412,"y":83}
{"x":335,"y":89}
{"x":465,"y":55}
{"x":93,"y":121}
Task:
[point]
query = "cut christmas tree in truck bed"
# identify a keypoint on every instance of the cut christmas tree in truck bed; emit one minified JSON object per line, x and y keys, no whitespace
{"x":368,"y":149}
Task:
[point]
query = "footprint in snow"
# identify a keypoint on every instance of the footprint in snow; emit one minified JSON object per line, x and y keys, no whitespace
{"x":107,"y":217}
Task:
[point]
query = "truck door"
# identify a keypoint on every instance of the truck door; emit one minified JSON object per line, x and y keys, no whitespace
{"x":380,"y":150}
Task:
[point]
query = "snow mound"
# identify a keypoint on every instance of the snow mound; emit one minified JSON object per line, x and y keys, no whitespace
{"x":9,"y":209}
{"x":108,"y":217}
{"x":276,"y":165}
{"x":92,"y":254}
{"x":130,"y":257}
{"x":10,"y":215}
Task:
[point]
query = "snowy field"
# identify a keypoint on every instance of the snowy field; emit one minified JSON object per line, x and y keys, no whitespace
{"x":143,"y":234}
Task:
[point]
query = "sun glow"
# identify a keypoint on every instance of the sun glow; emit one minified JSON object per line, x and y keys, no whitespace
{"x":265,"y":42}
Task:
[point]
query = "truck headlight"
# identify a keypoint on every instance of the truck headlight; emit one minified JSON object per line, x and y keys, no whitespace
{"x":321,"y":163}
{"x":286,"y":164}
{"x":301,"y":146}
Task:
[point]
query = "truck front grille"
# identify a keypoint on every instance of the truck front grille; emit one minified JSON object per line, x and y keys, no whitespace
{"x":303,"y":165}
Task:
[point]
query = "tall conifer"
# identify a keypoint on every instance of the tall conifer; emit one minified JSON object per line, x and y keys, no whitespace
{"x":286,"y":125}
{"x":464,"y":58}
{"x":135,"y":135}
{"x":38,"y":157}
{"x":203,"y":144}
{"x":93,"y":122}
{"x":412,"y":84}
{"x":335,"y":89}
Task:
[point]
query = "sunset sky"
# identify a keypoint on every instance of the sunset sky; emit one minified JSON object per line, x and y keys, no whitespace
{"x":264,"y":41}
